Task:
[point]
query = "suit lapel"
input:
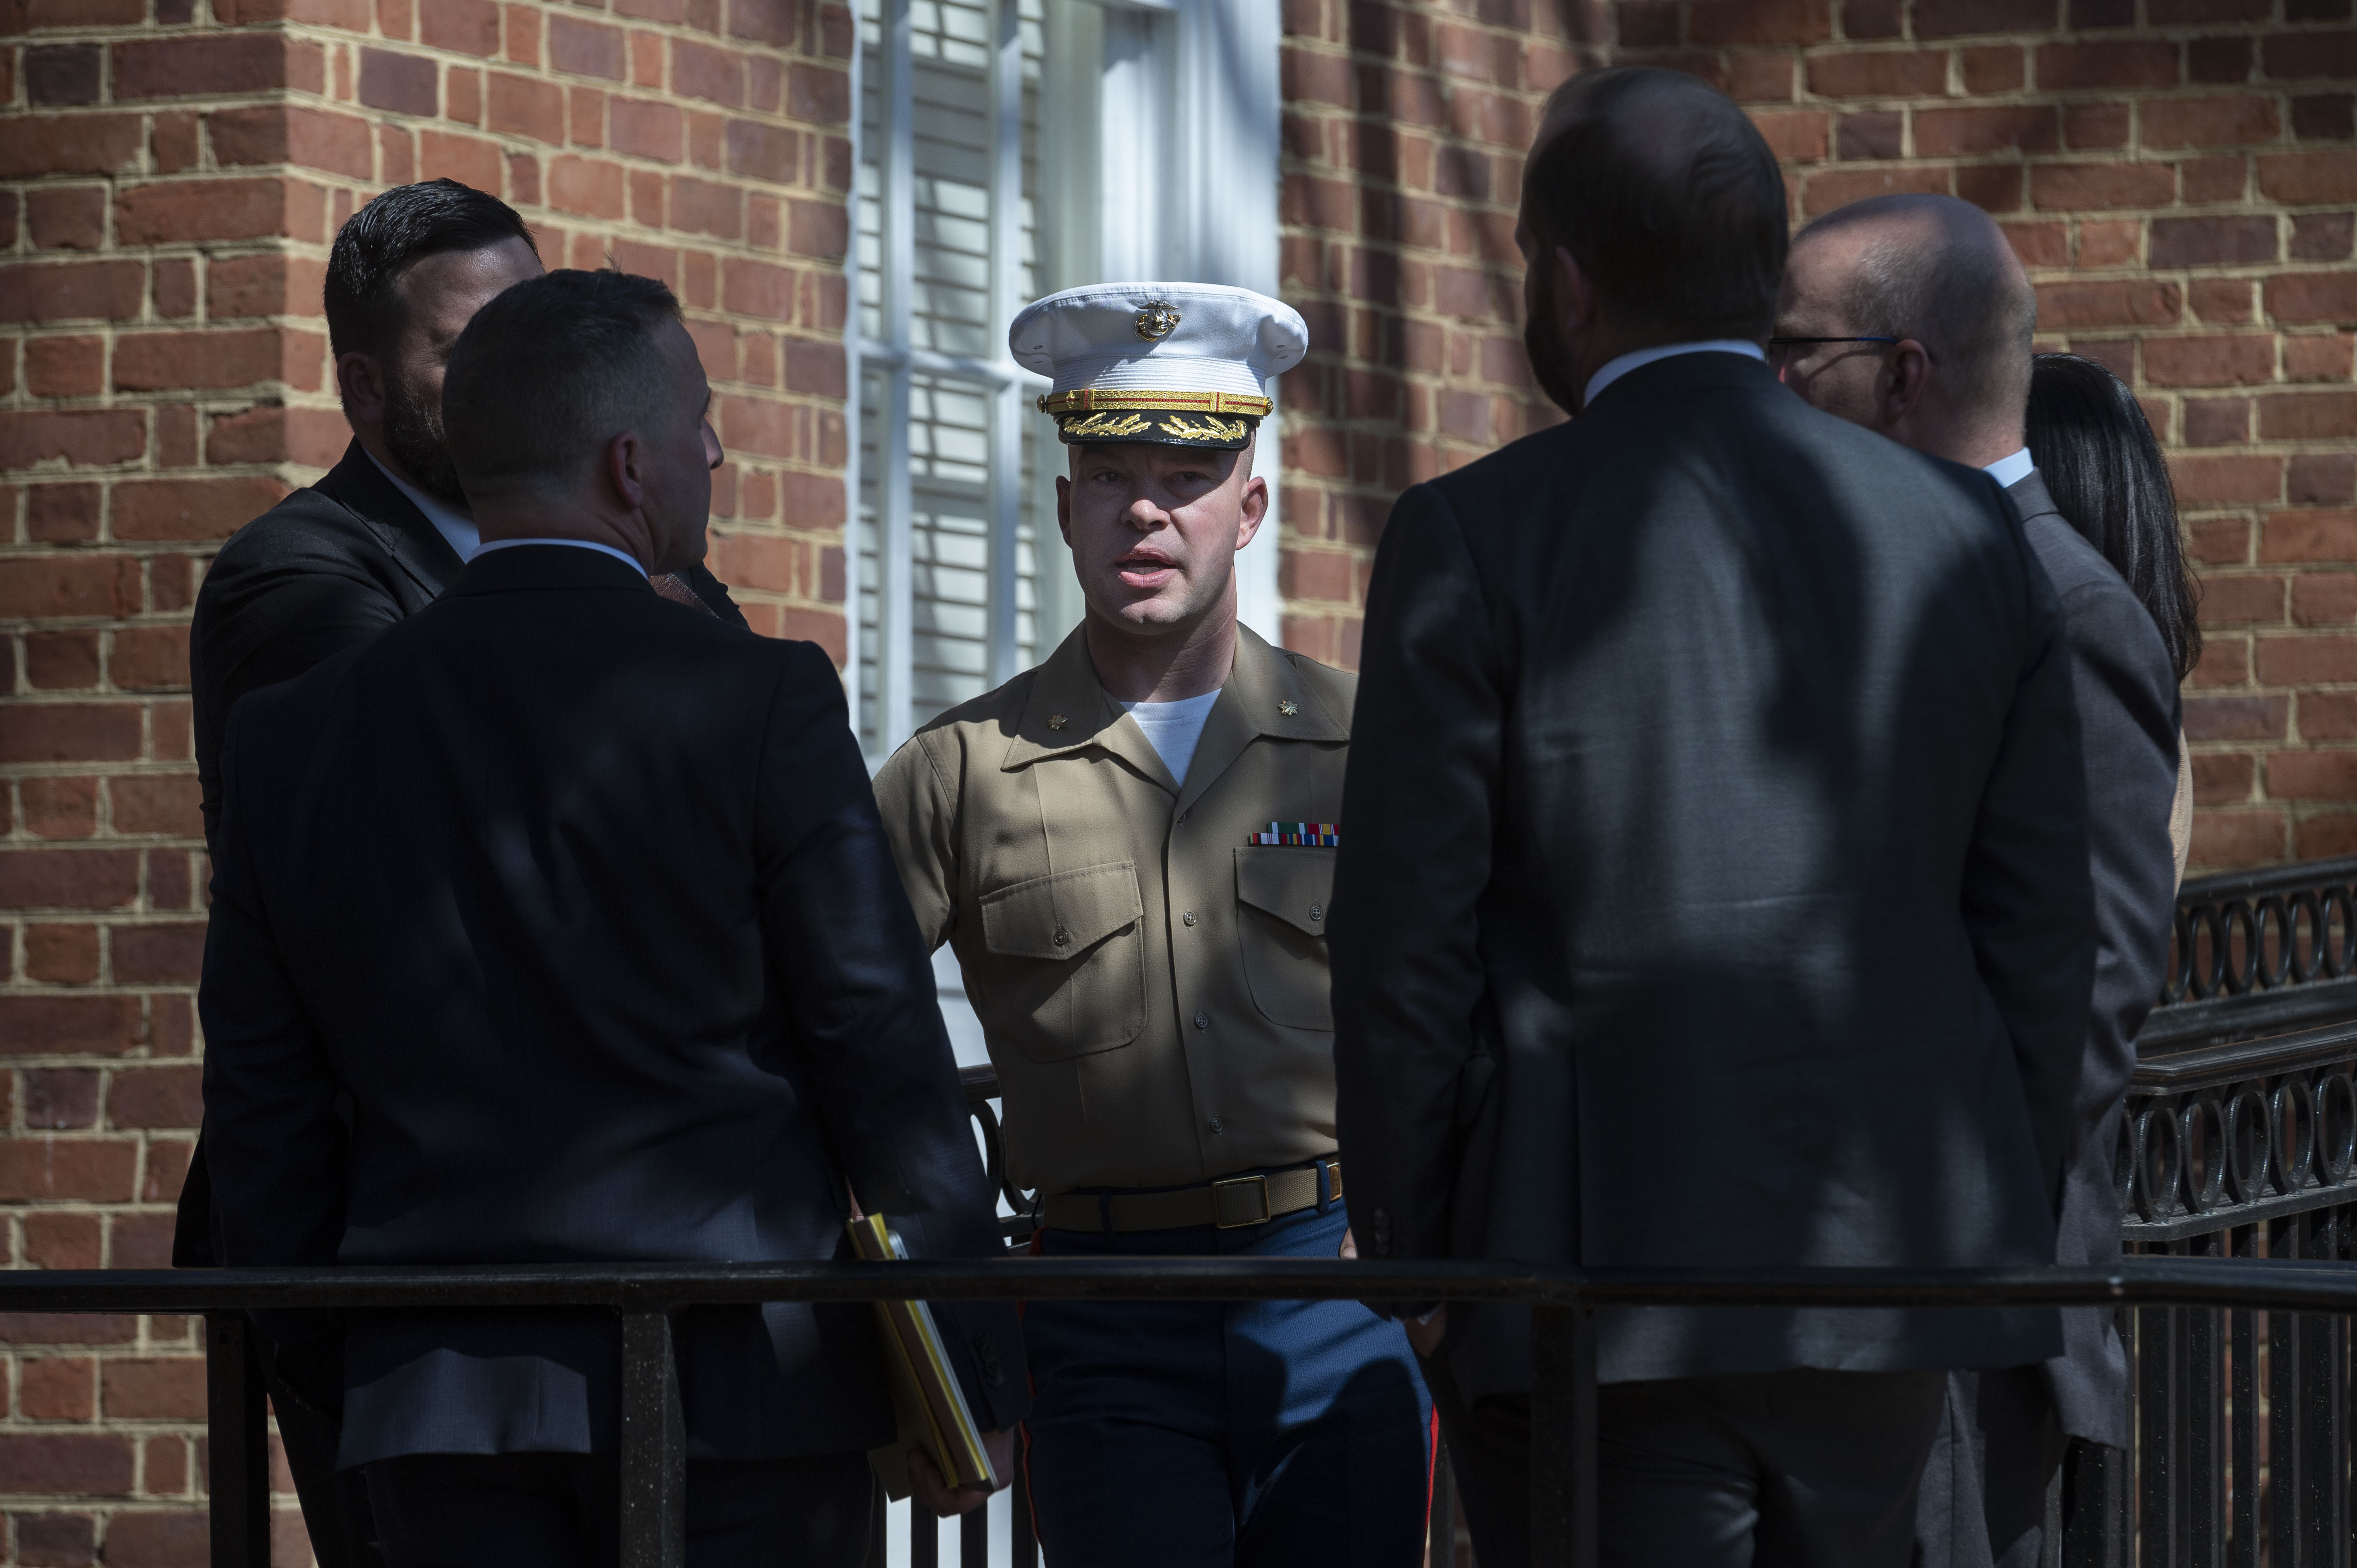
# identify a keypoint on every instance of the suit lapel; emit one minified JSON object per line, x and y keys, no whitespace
{"x":2031,"y":498}
{"x":360,"y":488}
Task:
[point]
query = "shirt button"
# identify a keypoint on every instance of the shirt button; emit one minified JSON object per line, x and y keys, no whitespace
{"x":1202,"y":1020}
{"x":1182,"y":816}
{"x":1216,"y":1128}
{"x":1188,"y":917}
{"x":1063,"y":937}
{"x":1316,"y":911}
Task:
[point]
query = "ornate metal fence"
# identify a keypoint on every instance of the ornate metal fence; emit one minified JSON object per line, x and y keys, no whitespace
{"x":2239,"y":1141}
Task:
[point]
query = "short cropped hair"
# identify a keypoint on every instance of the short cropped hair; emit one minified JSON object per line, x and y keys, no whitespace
{"x":384,"y":239}
{"x":1667,"y":197}
{"x":553,"y":369}
{"x":1975,"y":313}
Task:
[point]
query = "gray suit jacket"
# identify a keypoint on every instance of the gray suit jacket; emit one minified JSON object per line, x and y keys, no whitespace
{"x":1714,"y":884}
{"x":2128,"y":714}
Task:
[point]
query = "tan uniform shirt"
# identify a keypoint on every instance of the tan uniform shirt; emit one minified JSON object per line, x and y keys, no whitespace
{"x":1153,"y":986}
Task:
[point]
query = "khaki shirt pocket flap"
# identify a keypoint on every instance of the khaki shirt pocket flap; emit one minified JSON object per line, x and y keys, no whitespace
{"x":1064,"y":915}
{"x":1294,"y":883}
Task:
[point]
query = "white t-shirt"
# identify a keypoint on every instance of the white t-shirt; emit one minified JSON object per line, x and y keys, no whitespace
{"x":1173,"y":728}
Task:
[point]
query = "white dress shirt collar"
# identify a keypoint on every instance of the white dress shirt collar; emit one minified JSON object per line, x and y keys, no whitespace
{"x":2010,"y":471}
{"x":627,"y":559}
{"x":459,"y":531}
{"x":1615,"y":369}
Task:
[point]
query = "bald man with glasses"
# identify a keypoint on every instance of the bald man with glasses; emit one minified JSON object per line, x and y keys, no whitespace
{"x":1911,"y":315}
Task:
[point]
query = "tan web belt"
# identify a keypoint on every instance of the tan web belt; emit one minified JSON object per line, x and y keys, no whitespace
{"x":1239,"y":1200}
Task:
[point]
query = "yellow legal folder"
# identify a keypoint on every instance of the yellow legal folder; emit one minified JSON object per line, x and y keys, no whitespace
{"x":926,"y":1400}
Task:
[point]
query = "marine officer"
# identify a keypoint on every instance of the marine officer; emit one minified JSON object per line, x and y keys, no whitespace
{"x":1131,"y":850}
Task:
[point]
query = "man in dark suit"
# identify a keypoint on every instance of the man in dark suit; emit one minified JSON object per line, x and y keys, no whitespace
{"x":380,"y":535}
{"x":555,"y":923}
{"x":1715,"y":889}
{"x":1911,"y":315}
{"x":373,"y":542}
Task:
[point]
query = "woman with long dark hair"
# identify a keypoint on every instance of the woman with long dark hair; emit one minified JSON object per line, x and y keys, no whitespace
{"x":2096,"y":452}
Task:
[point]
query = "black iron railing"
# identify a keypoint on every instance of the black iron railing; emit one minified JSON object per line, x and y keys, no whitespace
{"x":2238,"y":1176}
{"x":653,"y":1449}
{"x":2240,"y":1144}
{"x":2260,"y":953}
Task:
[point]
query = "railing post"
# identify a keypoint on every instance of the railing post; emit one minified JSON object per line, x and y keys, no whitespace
{"x":654,"y":1447}
{"x":1440,"y":1510}
{"x":1563,"y":1437}
{"x":1027,"y":1545}
{"x":238,"y":1443}
{"x":2098,"y":1519}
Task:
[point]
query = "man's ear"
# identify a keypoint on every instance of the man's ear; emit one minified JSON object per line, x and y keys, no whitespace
{"x":1064,"y":508}
{"x":1900,"y":389}
{"x":361,"y":381}
{"x":624,"y":469}
{"x":1575,"y":296}
{"x":1255,"y":510}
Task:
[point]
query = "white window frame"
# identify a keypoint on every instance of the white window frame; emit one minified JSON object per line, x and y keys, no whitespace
{"x":1187,"y":92}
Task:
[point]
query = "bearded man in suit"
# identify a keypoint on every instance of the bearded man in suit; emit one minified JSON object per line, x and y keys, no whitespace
{"x":379,"y":536}
{"x":1716,"y":889}
{"x":372,"y":543}
{"x":1912,"y":317}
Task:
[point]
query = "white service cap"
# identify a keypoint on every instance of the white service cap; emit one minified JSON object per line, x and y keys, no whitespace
{"x":1185,"y":364}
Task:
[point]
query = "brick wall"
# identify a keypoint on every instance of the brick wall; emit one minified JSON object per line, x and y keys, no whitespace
{"x":1404,"y":132}
{"x":2178,"y":175}
{"x":169,"y":180}
{"x":2181,"y":179}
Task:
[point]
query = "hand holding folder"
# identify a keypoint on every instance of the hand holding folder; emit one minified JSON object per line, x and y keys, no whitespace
{"x":931,"y":1407}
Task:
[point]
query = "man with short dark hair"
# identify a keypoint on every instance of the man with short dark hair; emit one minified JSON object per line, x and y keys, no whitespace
{"x":1716,"y":892}
{"x":557,"y":923}
{"x":1911,"y":315}
{"x":374,"y":540}
{"x":380,"y":535}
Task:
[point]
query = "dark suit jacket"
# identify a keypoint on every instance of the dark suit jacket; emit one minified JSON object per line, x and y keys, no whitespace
{"x":2128,"y":718}
{"x":321,"y":570}
{"x":326,"y":567}
{"x":1714,"y":884}
{"x":557,"y":923}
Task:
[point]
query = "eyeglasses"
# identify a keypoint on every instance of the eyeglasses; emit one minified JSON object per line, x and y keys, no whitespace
{"x":1782,"y":345}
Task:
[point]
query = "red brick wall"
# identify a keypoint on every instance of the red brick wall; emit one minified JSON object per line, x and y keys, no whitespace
{"x":1405,"y":126}
{"x":2178,"y":175}
{"x":169,"y":180}
{"x":2181,"y":179}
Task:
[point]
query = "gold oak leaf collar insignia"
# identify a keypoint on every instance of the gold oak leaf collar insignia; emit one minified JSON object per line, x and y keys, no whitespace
{"x":1289,"y":707}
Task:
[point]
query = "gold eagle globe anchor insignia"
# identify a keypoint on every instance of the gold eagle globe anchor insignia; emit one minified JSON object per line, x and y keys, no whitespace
{"x":1156,"y":321}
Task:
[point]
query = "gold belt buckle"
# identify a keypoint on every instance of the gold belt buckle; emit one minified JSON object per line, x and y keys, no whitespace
{"x":1220,"y":1208}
